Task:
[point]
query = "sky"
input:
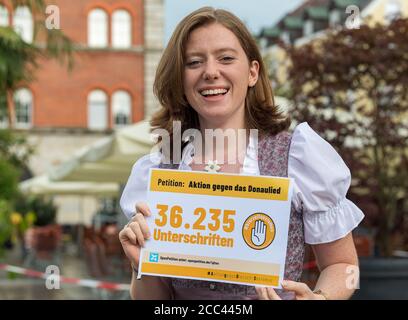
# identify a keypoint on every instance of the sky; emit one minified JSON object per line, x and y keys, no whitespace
{"x":255,"y":13}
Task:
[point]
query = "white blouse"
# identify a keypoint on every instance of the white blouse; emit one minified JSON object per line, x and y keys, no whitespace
{"x":320,"y":179}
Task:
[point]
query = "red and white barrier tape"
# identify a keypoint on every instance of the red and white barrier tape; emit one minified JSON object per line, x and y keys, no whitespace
{"x":89,"y":282}
{"x":76,"y":281}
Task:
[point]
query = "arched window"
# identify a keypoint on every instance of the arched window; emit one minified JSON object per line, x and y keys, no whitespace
{"x":23,"y":108}
{"x":121,"y":29}
{"x":4,"y":16}
{"x":97,"y":110}
{"x":121,"y":108}
{"x":23,"y":23}
{"x":98,"y":28}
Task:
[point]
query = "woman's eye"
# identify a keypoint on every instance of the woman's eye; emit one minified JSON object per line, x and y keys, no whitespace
{"x":193,"y":63}
{"x":227,"y":59}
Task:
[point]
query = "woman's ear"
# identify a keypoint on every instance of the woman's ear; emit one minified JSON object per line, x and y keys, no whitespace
{"x":253,"y":73}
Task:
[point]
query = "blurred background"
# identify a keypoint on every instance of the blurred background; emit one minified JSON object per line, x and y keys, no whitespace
{"x":76,"y":95}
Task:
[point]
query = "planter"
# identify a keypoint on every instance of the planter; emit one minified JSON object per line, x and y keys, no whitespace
{"x":383,"y":278}
{"x":43,"y":240}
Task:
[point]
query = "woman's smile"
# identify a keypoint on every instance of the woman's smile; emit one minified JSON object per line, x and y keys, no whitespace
{"x":214,"y":94}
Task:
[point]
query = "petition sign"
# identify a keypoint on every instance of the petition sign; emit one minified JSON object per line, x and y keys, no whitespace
{"x":217,"y":227}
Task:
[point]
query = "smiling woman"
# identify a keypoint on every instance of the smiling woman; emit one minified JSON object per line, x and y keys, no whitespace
{"x":211,"y":77}
{"x":212,"y":65}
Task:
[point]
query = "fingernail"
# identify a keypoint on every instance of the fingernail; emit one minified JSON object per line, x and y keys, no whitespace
{"x":284,"y":283}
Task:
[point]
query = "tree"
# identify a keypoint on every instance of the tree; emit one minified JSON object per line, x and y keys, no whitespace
{"x":18,"y":62}
{"x":18,"y":59}
{"x":352,"y":87}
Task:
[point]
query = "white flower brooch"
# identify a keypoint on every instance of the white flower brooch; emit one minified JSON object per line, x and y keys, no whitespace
{"x":212,"y":166}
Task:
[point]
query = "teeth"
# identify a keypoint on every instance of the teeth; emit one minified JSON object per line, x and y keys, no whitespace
{"x":213,"y":92}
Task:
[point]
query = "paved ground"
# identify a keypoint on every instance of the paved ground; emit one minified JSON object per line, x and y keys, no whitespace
{"x":71,"y":265}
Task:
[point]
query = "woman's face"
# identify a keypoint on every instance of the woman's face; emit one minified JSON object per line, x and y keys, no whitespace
{"x":217,"y":75}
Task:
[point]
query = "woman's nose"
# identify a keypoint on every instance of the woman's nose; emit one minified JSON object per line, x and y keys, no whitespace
{"x":211,"y":71}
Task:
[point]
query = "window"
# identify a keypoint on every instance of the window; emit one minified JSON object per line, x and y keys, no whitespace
{"x":23,"y":23}
{"x":308,"y":28}
{"x":335,"y":18}
{"x":4,"y":16}
{"x":97,"y":110}
{"x":285,"y":36}
{"x":23,"y":106}
{"x":121,"y":108}
{"x":121,"y":29}
{"x":97,"y":28}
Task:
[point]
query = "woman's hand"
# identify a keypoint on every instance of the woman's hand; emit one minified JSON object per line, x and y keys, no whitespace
{"x":133,"y":235}
{"x":301,"y":291}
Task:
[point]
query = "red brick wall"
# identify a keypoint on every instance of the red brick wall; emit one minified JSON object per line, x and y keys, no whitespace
{"x":60,"y":97}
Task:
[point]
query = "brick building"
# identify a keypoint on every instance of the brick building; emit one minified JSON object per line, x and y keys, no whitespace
{"x":114,"y":44}
{"x":118,"y":44}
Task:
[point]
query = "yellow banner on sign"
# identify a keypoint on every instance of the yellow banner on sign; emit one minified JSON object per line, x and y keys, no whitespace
{"x":204,"y":273}
{"x":226,"y":185}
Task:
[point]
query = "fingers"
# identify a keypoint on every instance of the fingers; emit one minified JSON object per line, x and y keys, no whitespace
{"x":139,"y":218}
{"x":143,"y":208}
{"x":135,"y":227}
{"x":272,"y":294}
{"x":139,"y":230}
{"x":132,"y":251}
{"x":267,"y":293}
{"x":262,"y":294}
{"x":300,"y":288}
{"x":128,"y":235}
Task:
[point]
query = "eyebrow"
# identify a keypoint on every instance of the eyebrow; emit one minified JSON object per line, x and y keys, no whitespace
{"x":221,"y":50}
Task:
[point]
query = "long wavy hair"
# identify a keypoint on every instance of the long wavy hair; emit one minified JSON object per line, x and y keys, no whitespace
{"x":260,"y":110}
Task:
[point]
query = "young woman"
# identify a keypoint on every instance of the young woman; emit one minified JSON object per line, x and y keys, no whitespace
{"x":212,"y":76}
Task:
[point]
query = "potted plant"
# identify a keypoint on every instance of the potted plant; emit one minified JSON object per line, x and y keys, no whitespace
{"x":44,"y":236}
{"x":351,"y":86}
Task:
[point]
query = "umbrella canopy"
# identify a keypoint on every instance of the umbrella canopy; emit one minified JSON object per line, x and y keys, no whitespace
{"x":109,"y":159}
{"x":42,"y":185}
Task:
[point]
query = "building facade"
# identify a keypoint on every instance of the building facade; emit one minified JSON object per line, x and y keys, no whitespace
{"x":117,"y":46}
{"x":116,"y":49}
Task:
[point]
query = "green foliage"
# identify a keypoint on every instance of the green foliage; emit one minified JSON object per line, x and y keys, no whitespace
{"x":18,"y":59}
{"x":352,"y":87}
{"x":14,"y":148}
{"x":5,"y":225}
{"x":43,"y":209}
{"x":8,"y":180}
{"x":14,"y":154}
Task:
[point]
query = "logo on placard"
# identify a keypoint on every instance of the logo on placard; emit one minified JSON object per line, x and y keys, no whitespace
{"x":258,"y":231}
{"x":153,"y":257}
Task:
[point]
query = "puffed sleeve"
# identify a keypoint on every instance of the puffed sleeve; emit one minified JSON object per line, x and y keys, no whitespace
{"x":321,"y":181}
{"x":136,"y":186}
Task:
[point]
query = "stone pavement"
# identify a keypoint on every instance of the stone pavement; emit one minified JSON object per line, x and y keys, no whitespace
{"x":25,"y":288}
